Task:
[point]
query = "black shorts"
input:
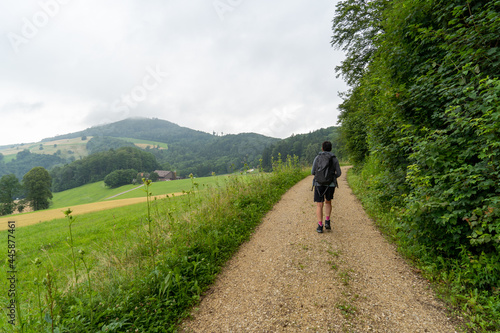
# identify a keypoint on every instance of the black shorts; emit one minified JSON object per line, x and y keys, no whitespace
{"x":322,"y":193}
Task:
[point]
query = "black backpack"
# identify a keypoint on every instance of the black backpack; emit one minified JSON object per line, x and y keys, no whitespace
{"x":325,"y":169}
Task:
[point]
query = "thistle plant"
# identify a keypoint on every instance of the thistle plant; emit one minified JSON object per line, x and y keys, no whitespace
{"x":71,"y":219}
{"x":48,"y":282}
{"x":87,"y":270}
{"x":192,"y":190}
{"x":37,"y":262}
{"x":147,"y":184}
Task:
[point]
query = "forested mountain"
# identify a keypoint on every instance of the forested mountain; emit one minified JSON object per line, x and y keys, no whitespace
{"x":180,"y":149}
{"x":142,"y":128}
{"x":222,"y":154}
{"x":422,"y":119}
{"x":189,"y":151}
{"x":304,"y":146}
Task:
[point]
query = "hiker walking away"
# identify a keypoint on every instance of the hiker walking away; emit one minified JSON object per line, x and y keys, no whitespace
{"x":326,"y":170}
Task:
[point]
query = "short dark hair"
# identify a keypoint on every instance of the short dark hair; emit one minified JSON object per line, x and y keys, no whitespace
{"x":327,"y":146}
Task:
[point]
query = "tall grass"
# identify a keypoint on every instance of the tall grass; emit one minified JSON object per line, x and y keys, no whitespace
{"x":133,"y":280}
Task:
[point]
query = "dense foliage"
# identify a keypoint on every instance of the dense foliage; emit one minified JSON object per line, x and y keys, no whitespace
{"x":10,"y":189}
{"x":26,"y":160}
{"x":423,"y":117}
{"x":104,"y":143}
{"x":304,"y":146}
{"x":120,"y":177}
{"x":37,"y":183}
{"x":97,"y":166}
{"x":221,"y":154}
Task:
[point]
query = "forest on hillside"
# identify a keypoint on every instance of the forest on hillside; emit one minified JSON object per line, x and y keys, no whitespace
{"x":97,"y":166}
{"x":304,"y":146}
{"x":188,"y":152}
{"x":421,"y":124}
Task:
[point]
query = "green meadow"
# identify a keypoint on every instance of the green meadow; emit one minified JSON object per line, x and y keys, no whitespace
{"x":138,"y":268}
{"x":68,"y":147}
{"x":96,"y":192}
{"x":145,"y":143}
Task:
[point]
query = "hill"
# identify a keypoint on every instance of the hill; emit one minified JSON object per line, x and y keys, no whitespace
{"x":141,"y":128}
{"x":305,"y":146}
{"x":175,"y":148}
{"x":76,"y":159}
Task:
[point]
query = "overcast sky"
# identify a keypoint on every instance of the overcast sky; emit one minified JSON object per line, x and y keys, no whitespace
{"x":228,"y":66}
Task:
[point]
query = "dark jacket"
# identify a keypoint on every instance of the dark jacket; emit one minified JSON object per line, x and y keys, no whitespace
{"x":336,"y":165}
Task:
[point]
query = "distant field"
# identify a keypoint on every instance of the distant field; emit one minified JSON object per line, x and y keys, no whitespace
{"x":96,"y":192}
{"x":23,"y":220}
{"x":96,"y":197}
{"x":68,"y":147}
{"x":145,"y":143}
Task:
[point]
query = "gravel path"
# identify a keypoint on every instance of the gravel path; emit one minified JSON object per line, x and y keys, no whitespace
{"x":289,"y":278}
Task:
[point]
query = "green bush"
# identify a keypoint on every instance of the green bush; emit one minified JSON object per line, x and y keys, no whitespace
{"x":119,"y":178}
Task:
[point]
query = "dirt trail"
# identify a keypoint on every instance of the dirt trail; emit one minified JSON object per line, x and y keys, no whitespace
{"x":289,"y":278}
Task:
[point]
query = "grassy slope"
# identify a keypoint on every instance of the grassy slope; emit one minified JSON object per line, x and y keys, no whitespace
{"x":96,"y":192}
{"x":77,"y":146}
{"x":145,"y":143}
{"x":93,"y":232}
{"x":49,"y":242}
{"x":113,"y":238}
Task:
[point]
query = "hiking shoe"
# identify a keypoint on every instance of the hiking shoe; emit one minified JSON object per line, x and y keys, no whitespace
{"x":327,"y":225}
{"x":319,"y":228}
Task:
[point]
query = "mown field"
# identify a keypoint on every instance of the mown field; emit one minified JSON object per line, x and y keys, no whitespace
{"x":75,"y":147}
{"x":96,"y":196}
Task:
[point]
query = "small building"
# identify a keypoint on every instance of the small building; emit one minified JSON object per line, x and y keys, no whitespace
{"x":165,"y":175}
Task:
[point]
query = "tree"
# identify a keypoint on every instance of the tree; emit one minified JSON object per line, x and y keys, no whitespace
{"x":37,"y":184}
{"x":154,"y":176}
{"x":356,"y":26}
{"x":120,"y":177}
{"x":9,"y":189}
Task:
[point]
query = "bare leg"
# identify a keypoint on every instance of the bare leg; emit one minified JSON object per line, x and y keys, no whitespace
{"x":319,"y":211}
{"x":328,"y":209}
